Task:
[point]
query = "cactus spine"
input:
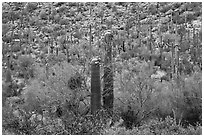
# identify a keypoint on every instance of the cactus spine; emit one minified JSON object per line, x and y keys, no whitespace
{"x":95,"y":86}
{"x":108,"y":75}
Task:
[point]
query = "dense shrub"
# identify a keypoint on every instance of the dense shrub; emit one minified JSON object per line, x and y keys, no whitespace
{"x":190,"y":101}
{"x":25,"y":61}
{"x":53,"y":59}
{"x":23,"y":123}
{"x":156,"y":127}
{"x":26,"y":66}
{"x":157,"y":68}
{"x":75,"y":81}
{"x":16,"y":121}
{"x":138,"y":100}
{"x":54,"y":95}
{"x":138,"y":96}
{"x":134,"y":92}
{"x":52,"y":90}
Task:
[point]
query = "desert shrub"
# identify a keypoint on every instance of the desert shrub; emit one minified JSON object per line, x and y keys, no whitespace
{"x":54,"y":92}
{"x":87,"y":124}
{"x":164,"y":99}
{"x":167,"y":126}
{"x":16,"y":121}
{"x":16,"y":48}
{"x":35,"y":96}
{"x":25,"y":61}
{"x":134,"y":92}
{"x":7,"y":90}
{"x":26,"y":66}
{"x":52,"y":59}
{"x":7,"y":116}
{"x":70,"y":124}
{"x":75,"y":81}
{"x":190,"y":100}
{"x":138,"y":97}
{"x":180,"y":100}
{"x":54,"y":95}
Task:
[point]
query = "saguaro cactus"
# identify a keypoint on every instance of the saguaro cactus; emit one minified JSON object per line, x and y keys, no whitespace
{"x":108,"y":74}
{"x":95,"y":85}
{"x":57,"y":51}
{"x":8,"y":71}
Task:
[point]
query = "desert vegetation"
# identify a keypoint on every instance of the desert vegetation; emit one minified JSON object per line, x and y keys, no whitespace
{"x":102,"y":68}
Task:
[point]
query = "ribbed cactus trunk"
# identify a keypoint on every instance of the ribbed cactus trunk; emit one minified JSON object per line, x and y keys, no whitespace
{"x":8,"y":71}
{"x":8,"y":76}
{"x":173,"y":61}
{"x":177,"y":56}
{"x":51,"y":49}
{"x":95,"y":86}
{"x":108,"y":96}
{"x":47,"y":70}
{"x":57,"y":51}
{"x":56,"y":48}
{"x":67,"y":53}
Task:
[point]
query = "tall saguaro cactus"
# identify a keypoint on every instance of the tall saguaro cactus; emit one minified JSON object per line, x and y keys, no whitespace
{"x":177,"y":43}
{"x":95,"y":85}
{"x":8,"y":71}
{"x":108,"y":74}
